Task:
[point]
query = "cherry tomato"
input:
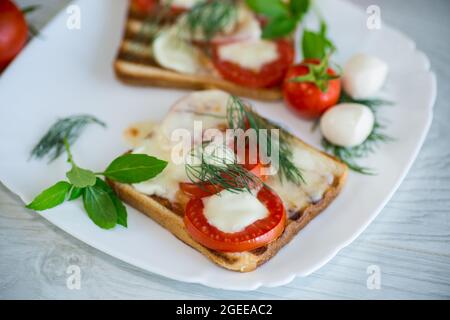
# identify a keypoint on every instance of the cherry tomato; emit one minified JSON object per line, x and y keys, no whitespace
{"x":13,"y":32}
{"x":306,"y":98}
{"x":144,"y":6}
{"x":256,"y":235}
{"x":270,"y":75}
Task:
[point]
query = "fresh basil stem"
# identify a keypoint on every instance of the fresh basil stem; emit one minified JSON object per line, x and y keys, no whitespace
{"x":100,"y":201}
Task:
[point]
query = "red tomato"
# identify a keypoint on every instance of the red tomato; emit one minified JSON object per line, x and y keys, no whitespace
{"x":306,"y":98}
{"x":195,"y":191}
{"x":207,"y":189}
{"x":253,"y":236}
{"x":270,"y":75}
{"x":176,"y":11}
{"x":13,"y":32}
{"x":144,"y":6}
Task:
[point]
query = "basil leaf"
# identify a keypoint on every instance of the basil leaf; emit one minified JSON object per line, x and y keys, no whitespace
{"x":299,"y":7}
{"x":121,"y":210}
{"x":51,"y":197}
{"x":269,"y":8}
{"x":313,"y":45}
{"x":75,"y":193}
{"x":99,"y":206}
{"x":134,"y":168}
{"x":81,"y":178}
{"x":279,"y":27}
{"x":316,"y":45}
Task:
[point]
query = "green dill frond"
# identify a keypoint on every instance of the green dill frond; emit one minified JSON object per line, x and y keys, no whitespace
{"x":216,"y":171}
{"x":372,"y":104}
{"x":52,"y":143}
{"x":211,"y":17}
{"x":242,"y":117}
{"x":350,"y":155}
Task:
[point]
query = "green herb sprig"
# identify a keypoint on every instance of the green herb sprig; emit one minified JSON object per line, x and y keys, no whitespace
{"x":32,"y":30}
{"x":317,"y":44}
{"x":212,"y":170}
{"x":70,"y":128}
{"x":372,"y":104}
{"x":282,"y":17}
{"x":242,"y":117}
{"x":210,"y":17}
{"x":101,"y":203}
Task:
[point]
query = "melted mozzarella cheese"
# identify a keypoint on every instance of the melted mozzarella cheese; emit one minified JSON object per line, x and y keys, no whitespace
{"x":185,"y":4}
{"x":318,"y":173}
{"x":241,"y":27}
{"x":173,"y":53}
{"x":364,"y":75}
{"x":233,"y":212}
{"x":251,"y":55}
{"x":209,"y":109}
{"x":347,"y":124}
{"x":247,"y":28}
{"x":242,"y":209}
{"x":166,"y":184}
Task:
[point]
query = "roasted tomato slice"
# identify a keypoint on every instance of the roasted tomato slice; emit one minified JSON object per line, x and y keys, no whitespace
{"x":205,"y":190}
{"x":270,"y":75}
{"x":195,"y":191}
{"x":256,"y":235}
{"x":144,"y":6}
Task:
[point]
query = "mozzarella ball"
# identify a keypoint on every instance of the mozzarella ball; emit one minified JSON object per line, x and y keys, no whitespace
{"x":347,"y":124}
{"x":364,"y":75}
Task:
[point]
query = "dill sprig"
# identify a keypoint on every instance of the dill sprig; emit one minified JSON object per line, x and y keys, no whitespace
{"x":210,"y":17}
{"x":219,"y":173}
{"x":350,"y":155}
{"x":52,"y":143}
{"x":240,"y":116}
{"x":372,"y":104}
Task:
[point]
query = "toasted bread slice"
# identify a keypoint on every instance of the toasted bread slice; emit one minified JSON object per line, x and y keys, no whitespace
{"x":170,"y":215}
{"x":135,"y":65}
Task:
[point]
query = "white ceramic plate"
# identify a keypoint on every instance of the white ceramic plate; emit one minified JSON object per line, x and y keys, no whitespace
{"x":70,"y":71}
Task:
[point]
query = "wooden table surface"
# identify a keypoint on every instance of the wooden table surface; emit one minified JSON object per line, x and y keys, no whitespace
{"x":409,"y":241}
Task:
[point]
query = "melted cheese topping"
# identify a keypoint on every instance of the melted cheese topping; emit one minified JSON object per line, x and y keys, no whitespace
{"x":166,"y":184}
{"x":251,"y":55}
{"x":318,"y":170}
{"x":233,"y":212}
{"x":174,"y":53}
{"x":186,"y":4}
{"x":198,"y":106}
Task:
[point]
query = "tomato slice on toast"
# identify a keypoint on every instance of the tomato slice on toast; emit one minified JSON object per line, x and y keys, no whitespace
{"x":270,"y":75}
{"x":256,"y":235}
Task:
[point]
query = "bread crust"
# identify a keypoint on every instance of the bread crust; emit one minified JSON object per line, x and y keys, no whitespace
{"x":147,"y":75}
{"x":242,"y":261}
